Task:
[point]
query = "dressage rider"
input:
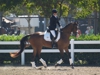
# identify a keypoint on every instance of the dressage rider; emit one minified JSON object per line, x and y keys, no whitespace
{"x":54,"y":21}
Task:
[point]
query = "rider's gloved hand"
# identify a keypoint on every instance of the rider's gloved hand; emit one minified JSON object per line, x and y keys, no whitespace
{"x":60,"y":27}
{"x":48,"y":29}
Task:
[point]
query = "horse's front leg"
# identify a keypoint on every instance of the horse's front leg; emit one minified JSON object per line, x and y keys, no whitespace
{"x":62,"y":57}
{"x":43,"y":62}
{"x":70,"y":59}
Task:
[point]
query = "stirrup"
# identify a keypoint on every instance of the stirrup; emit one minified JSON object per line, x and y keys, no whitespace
{"x":53,"y":46}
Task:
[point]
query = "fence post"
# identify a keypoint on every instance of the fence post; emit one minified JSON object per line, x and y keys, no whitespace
{"x":72,"y":49}
{"x":23,"y":58}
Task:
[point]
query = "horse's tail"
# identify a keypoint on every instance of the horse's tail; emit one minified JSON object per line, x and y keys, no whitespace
{"x":22,"y":46}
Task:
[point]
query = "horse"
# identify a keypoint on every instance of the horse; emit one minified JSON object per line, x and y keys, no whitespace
{"x":2,"y":31}
{"x":37,"y":41}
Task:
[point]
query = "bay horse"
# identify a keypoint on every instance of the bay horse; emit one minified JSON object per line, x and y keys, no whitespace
{"x":37,"y":41}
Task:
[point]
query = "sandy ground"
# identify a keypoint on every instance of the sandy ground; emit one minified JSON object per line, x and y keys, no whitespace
{"x":51,"y":70}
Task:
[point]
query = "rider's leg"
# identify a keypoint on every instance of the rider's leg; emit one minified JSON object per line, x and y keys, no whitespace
{"x":53,"y":33}
{"x":53,"y":43}
{"x":52,"y":38}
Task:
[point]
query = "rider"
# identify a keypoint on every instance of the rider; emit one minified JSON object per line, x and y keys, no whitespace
{"x":53,"y":24}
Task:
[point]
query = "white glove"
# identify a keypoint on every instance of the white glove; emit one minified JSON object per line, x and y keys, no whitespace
{"x":47,"y":27}
{"x":60,"y":27}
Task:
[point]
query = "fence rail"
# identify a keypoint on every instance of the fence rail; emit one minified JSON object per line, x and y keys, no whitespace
{"x":71,"y":50}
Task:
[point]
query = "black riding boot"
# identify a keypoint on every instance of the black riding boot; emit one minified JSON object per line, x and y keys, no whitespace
{"x":53,"y":43}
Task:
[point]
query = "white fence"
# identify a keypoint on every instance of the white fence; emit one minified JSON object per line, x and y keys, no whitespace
{"x":72,"y":50}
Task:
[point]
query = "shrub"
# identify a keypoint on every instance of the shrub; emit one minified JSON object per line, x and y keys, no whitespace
{"x":18,"y":37}
{"x":86,"y":37}
{"x":10,"y":37}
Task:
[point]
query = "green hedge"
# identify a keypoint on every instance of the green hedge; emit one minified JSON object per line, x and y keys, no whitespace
{"x":86,"y":37}
{"x":18,"y":37}
{"x":10,"y":37}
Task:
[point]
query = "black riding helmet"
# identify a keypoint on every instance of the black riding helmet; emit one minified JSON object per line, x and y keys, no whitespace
{"x":54,"y":11}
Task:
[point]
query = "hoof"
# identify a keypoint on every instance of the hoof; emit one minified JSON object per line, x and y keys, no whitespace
{"x":45,"y":66}
{"x":72,"y":66}
{"x":34,"y":67}
{"x":56,"y":65}
{"x":39,"y":68}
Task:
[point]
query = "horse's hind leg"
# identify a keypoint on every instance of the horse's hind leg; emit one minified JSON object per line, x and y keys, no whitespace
{"x":70,"y":59}
{"x":33,"y":58}
{"x":40,"y":59}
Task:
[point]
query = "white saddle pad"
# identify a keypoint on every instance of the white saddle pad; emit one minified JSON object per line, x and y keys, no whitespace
{"x":47,"y":36}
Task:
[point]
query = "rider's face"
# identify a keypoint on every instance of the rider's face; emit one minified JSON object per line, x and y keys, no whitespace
{"x":55,"y":14}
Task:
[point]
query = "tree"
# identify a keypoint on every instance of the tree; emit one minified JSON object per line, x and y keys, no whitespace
{"x":46,"y":6}
{"x":7,"y":5}
{"x":78,"y":8}
{"x":18,"y":7}
{"x":84,"y":7}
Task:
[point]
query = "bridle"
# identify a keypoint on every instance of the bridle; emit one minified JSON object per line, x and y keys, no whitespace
{"x":73,"y":29}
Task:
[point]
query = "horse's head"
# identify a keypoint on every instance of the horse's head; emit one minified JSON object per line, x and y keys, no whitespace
{"x":74,"y":28}
{"x":71,"y":27}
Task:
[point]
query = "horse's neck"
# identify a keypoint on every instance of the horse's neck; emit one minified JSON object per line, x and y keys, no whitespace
{"x":66,"y":31}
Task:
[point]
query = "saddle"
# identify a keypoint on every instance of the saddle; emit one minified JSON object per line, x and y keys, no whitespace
{"x":48,"y":36}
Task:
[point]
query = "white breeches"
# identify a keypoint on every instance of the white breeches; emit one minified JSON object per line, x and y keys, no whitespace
{"x":53,"y":33}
